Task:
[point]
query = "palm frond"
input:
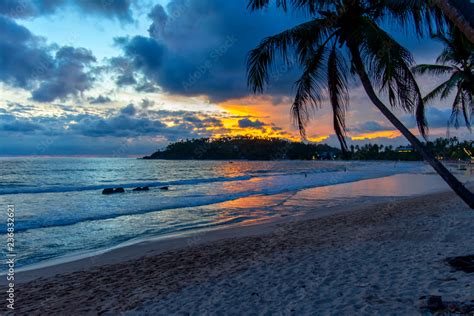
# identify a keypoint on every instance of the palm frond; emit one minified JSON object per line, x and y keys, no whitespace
{"x":301,"y":37}
{"x":309,"y":89}
{"x":454,"y":118}
{"x":436,"y":70}
{"x":311,"y":6}
{"x":436,"y":92}
{"x":418,"y":15}
{"x":457,"y":50}
{"x":467,"y":109}
{"x":389,"y":66}
{"x":462,"y":104}
{"x":338,"y":94}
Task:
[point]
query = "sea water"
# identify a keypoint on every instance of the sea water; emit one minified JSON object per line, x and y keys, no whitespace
{"x":60,"y":210}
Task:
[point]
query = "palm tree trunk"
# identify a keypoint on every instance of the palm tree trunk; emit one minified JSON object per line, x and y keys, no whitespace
{"x":450,"y":179}
{"x":457,"y":16}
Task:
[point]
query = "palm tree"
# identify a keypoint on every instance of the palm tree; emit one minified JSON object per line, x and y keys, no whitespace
{"x":343,"y":39}
{"x":456,"y":61}
{"x":461,"y":14}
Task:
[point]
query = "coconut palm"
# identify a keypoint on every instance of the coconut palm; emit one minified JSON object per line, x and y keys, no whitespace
{"x":457,"y":62}
{"x":342,"y":39}
{"x":461,"y":14}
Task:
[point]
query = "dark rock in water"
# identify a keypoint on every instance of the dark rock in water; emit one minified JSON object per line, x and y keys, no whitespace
{"x":164,"y":188}
{"x":112,"y":190}
{"x":141,"y":189}
{"x":435,"y":303}
{"x":108,"y":191}
{"x":463,"y":263}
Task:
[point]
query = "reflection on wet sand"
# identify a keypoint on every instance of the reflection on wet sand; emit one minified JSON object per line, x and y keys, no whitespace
{"x":263,"y":207}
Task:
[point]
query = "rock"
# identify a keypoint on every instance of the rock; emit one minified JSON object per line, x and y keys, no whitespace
{"x":463,"y":263}
{"x":164,"y":188}
{"x":112,"y":190}
{"x":435,"y":303}
{"x":108,"y":191}
{"x":141,"y":189}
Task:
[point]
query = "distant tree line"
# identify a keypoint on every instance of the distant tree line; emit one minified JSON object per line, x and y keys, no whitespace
{"x":245,"y":147}
{"x":258,"y":148}
{"x":443,"y":148}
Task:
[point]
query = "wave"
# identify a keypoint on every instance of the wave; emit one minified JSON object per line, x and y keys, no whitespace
{"x":20,"y":189}
{"x":21,"y":226}
{"x":276,"y":185}
{"x":60,"y":189}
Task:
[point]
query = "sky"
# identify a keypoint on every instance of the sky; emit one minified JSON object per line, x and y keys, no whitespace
{"x":126,"y":77}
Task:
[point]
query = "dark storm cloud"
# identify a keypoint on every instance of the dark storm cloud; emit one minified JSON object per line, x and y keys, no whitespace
{"x":143,"y":54}
{"x":26,"y":62}
{"x":248,"y":123}
{"x":199,"y":47}
{"x":19,"y":9}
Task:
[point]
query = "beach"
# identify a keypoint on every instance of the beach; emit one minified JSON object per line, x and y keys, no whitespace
{"x":376,"y":258}
{"x":206,"y":157}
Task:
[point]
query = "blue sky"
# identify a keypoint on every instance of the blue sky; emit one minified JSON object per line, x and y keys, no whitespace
{"x":124,"y":77}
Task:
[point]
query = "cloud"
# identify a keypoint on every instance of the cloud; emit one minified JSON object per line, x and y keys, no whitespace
{"x":23,"y":57}
{"x":26,"y":62}
{"x":436,"y":118}
{"x":26,"y":9}
{"x":370,"y":126}
{"x":143,"y":54}
{"x":248,"y":123}
{"x":129,"y":110}
{"x":199,"y":47}
{"x":68,"y":75}
{"x":99,"y":100}
{"x":10,"y":123}
{"x":160,"y":18}
{"x":128,"y":121}
{"x":119,"y":9}
{"x":20,"y":9}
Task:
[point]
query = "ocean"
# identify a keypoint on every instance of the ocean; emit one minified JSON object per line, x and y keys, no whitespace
{"x":60,"y":210}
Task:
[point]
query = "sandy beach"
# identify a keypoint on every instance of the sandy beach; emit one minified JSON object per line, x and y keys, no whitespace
{"x":371,"y":259}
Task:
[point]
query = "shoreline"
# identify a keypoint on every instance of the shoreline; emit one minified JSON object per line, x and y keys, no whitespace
{"x":133,"y":249}
{"x":146,"y":279}
{"x":373,"y":258}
